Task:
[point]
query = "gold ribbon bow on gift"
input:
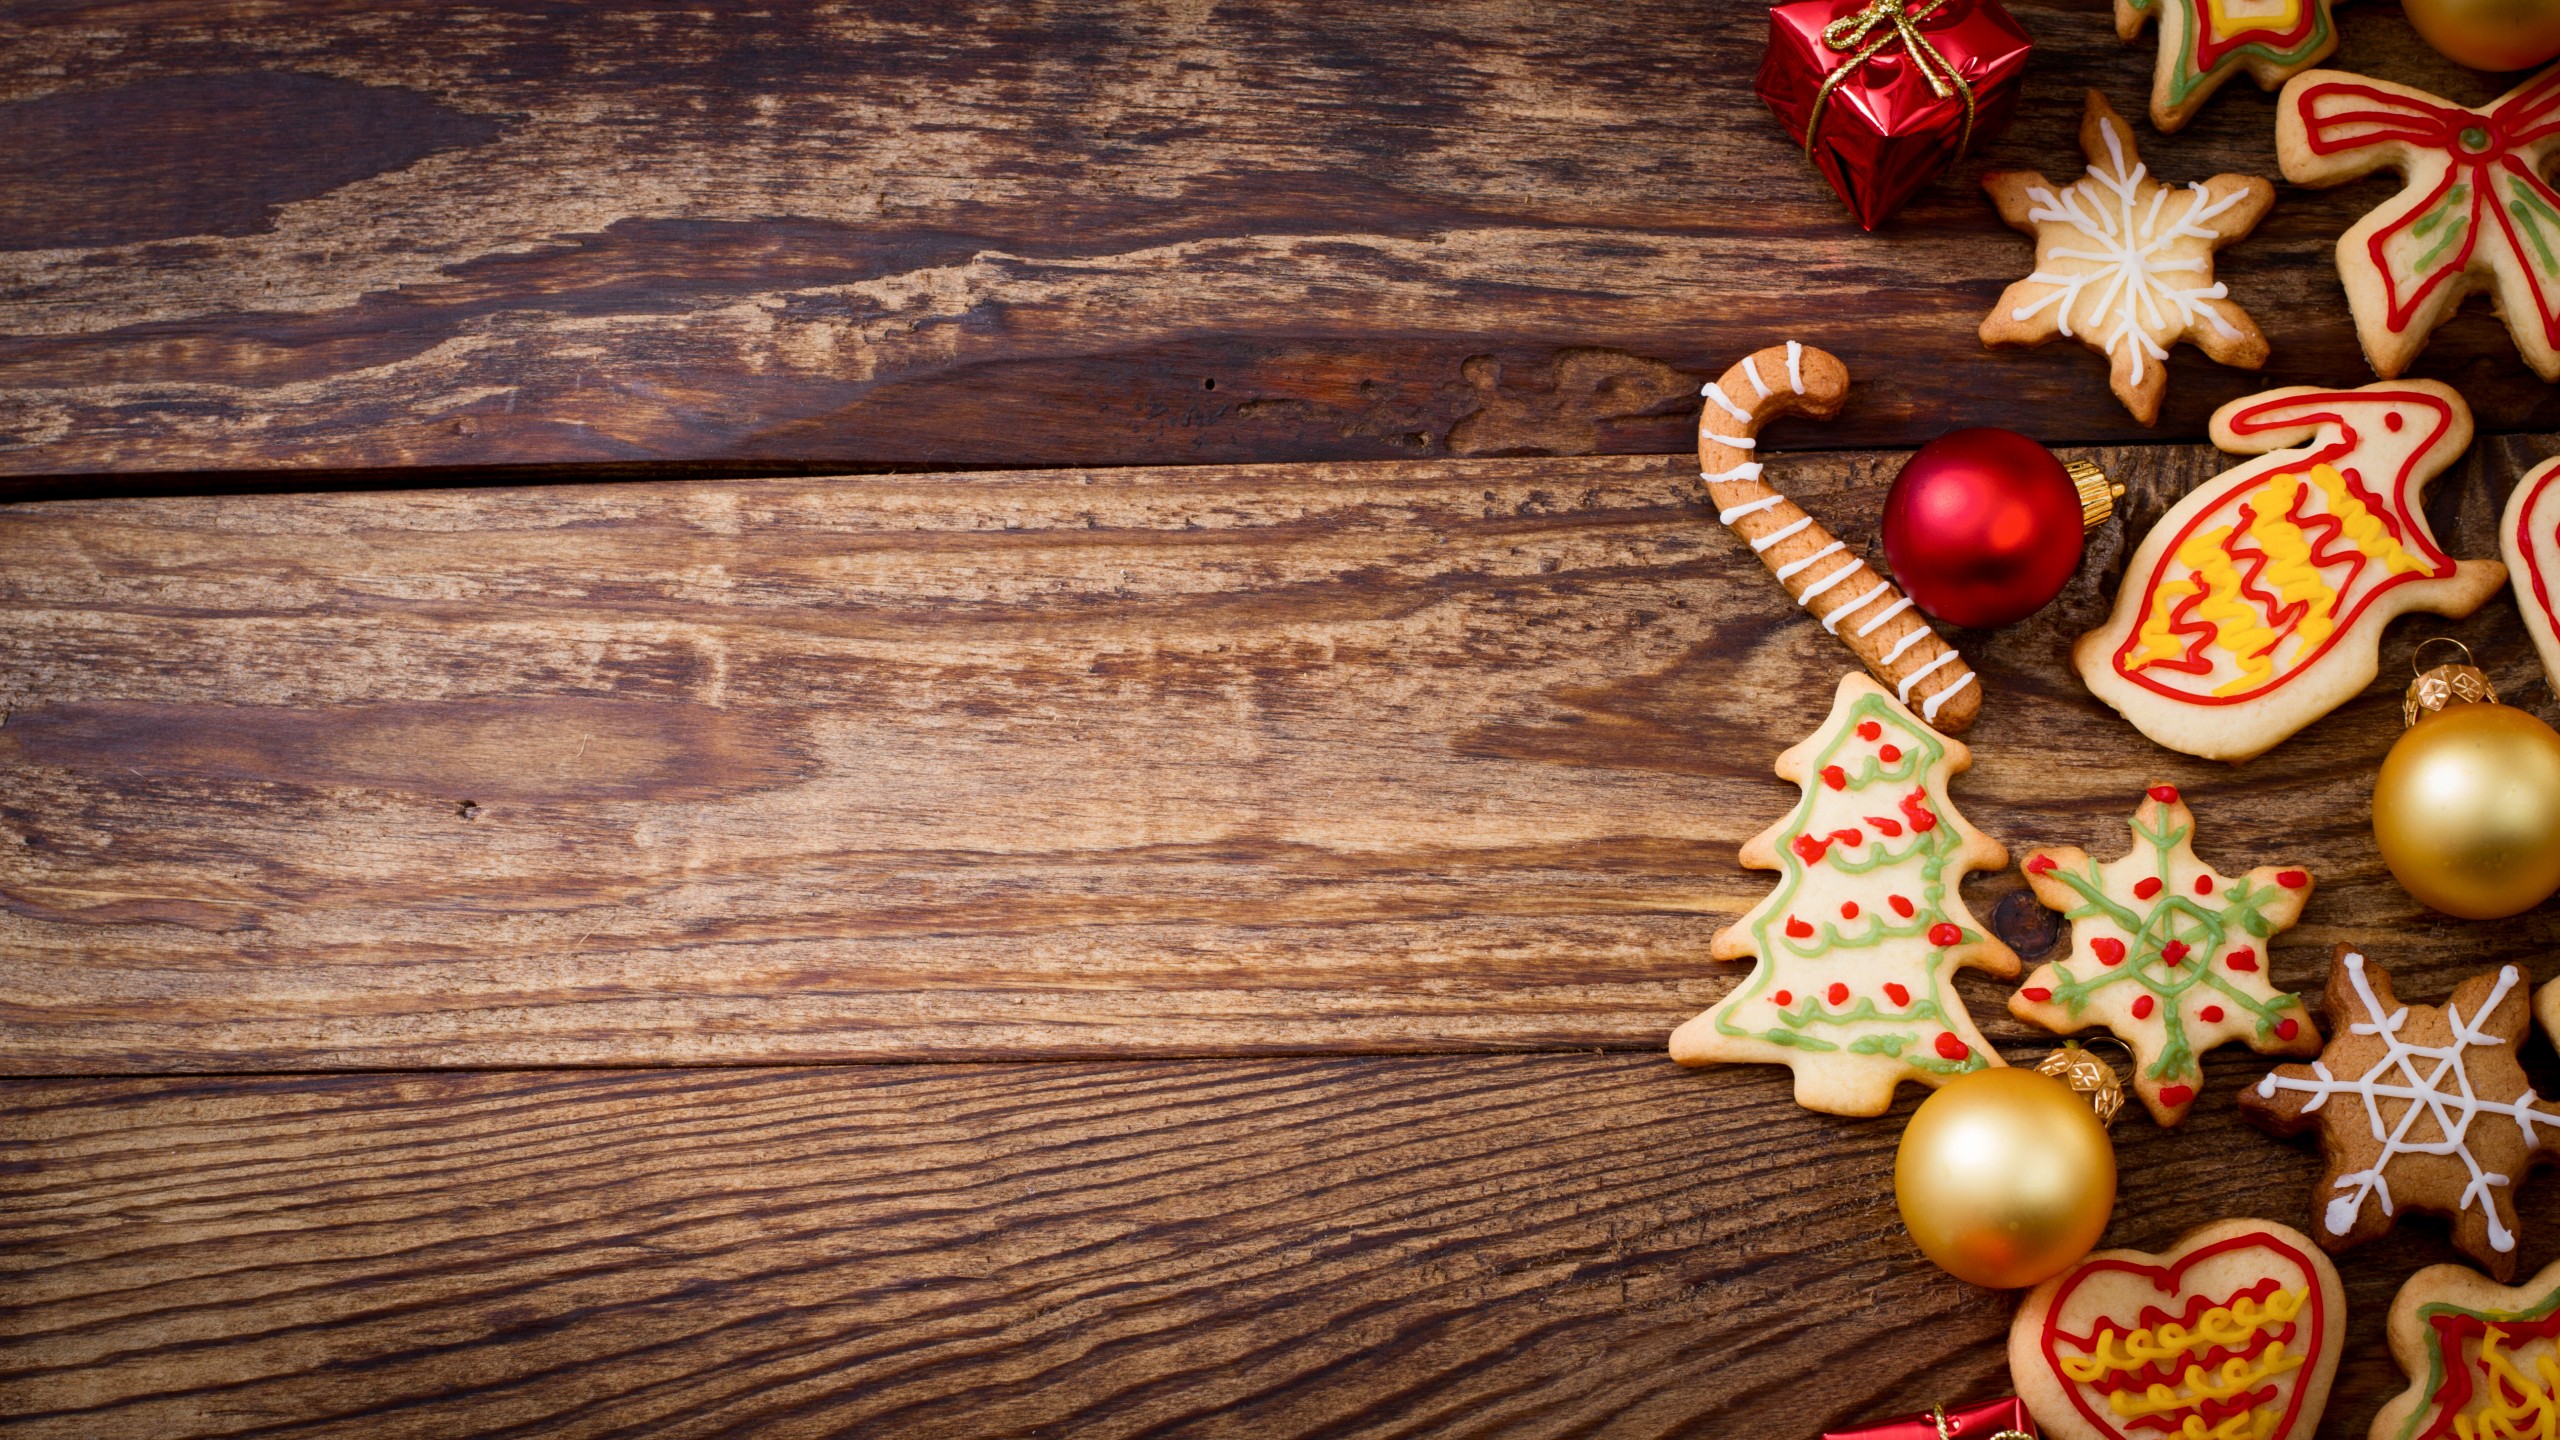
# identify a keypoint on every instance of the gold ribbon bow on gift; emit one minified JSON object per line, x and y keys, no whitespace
{"x":1946,"y":1432}
{"x":1855,"y":36}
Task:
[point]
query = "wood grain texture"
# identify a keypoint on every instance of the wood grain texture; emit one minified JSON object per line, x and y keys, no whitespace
{"x":1419,"y":756}
{"x":309,"y":233}
{"x":1464,"y":1246}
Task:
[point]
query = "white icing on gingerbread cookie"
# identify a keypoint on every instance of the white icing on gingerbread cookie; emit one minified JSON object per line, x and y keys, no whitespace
{"x":1857,"y":946}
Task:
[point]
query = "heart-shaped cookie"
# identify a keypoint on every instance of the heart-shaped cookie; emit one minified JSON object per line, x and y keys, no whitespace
{"x":2232,"y":1335}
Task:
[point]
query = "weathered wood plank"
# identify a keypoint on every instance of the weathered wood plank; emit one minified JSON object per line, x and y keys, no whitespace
{"x":1433,"y":755}
{"x":1543,"y":1245}
{"x":312,"y":234}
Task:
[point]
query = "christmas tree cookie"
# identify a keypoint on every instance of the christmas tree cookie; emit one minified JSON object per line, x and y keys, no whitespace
{"x":2168,"y":953}
{"x":1857,"y":947}
{"x":2419,"y":1107}
{"x":2483,"y":1359}
{"x":2474,"y":215}
{"x":2205,"y":42}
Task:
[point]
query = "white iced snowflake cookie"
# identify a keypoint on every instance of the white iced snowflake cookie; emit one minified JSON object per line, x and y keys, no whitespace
{"x":2256,"y":605}
{"x":2124,"y":263}
{"x":1858,"y":946}
{"x":2419,"y":1107}
{"x":2167,"y":952}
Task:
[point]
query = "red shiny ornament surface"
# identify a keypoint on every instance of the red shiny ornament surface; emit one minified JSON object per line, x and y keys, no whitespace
{"x":1983,"y":528}
{"x":1885,"y":133}
{"x":1966,"y":1422}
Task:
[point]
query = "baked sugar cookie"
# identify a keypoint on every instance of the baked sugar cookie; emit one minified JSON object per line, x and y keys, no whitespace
{"x":2256,"y":605}
{"x":2233,"y":1334}
{"x":2167,"y":952}
{"x":1857,"y":947}
{"x":2124,"y":263}
{"x":2205,"y":42}
{"x":2483,"y":1359}
{"x":2419,"y":1107}
{"x":2529,"y":540}
{"x":2474,"y":215}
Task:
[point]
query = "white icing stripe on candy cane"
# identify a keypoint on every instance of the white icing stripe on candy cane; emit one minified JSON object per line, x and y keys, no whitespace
{"x":2404,"y":1078}
{"x":1774,"y":536}
{"x":1738,"y":442}
{"x":1715,"y":392}
{"x":1905,"y":643}
{"x":1751,"y":368}
{"x":1827,"y":581}
{"x":1750,"y":507}
{"x":1929,"y":707}
{"x":1793,"y":568}
{"x":1795,"y":366}
{"x":1831,"y":622}
{"x":1881,"y":616}
{"x":1747,"y":470}
{"x":1904,"y":693}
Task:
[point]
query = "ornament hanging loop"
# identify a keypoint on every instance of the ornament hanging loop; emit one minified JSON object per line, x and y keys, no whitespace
{"x":1855,"y":36}
{"x":2446,"y":685}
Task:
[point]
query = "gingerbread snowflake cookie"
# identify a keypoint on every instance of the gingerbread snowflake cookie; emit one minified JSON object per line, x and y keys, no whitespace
{"x":2483,"y":1359}
{"x":2205,"y":42}
{"x":2256,"y":605}
{"x":2474,"y":215}
{"x":2167,"y":952}
{"x":2124,"y":263}
{"x":2419,"y":1107}
{"x":1858,"y":945}
{"x":2235,"y":1332}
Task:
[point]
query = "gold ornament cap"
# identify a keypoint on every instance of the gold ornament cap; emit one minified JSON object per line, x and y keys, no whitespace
{"x":2088,"y":1076}
{"x":2446,"y":685}
{"x":2098,"y":494}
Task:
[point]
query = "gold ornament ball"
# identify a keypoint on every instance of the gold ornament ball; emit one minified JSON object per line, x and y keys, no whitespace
{"x":2005,"y":1177}
{"x":2467,"y":811}
{"x":2489,"y":34}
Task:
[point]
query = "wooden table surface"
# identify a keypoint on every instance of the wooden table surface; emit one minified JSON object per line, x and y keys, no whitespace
{"x":951,"y":719}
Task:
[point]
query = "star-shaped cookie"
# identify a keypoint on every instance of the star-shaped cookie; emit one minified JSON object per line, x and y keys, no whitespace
{"x":2168,"y":953}
{"x":2420,"y":1107}
{"x":2124,"y":263}
{"x":2205,"y":42}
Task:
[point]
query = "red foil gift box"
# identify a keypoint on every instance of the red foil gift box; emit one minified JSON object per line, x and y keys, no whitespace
{"x":1884,"y":130}
{"x":1973,"y":1422}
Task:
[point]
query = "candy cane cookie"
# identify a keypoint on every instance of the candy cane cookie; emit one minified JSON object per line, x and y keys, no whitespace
{"x":1831,"y":582}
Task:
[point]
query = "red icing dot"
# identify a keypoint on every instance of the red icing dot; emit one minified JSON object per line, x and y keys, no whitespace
{"x":1951,"y":1048}
{"x":1838,"y":994}
{"x":2108,"y":949}
{"x":2211,"y":1014}
{"x":1797,"y":929}
{"x":2142,"y":1008}
{"x":1901,"y":906}
{"x":2292,"y":879}
{"x":2244,"y":960}
{"x":1889,"y":754}
{"x":2039,"y":864}
{"x":1891,"y":828}
{"x":2174,"y":951}
{"x":1915,"y":808}
{"x":2204,"y":884}
{"x":1808,"y":848}
{"x":2037,"y":993}
{"x":1850,"y":838}
{"x":2287,"y":1028}
{"x":1868,"y":730}
{"x":2165,"y":794}
{"x":2391,"y":420}
{"x":1784,"y":998}
{"x":2174,"y":1096}
{"x":1835,"y":777}
{"x":1898,"y":994}
{"x":1945,"y":933}
{"x":1848,"y":909}
{"x":2146,"y":887}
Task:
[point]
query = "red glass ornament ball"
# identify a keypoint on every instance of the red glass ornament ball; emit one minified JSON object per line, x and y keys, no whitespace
{"x":1982,"y":527}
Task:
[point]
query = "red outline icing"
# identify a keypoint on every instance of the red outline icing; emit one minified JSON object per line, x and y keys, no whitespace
{"x":2394,"y":515}
{"x":2315,"y":1311}
{"x":2524,"y":547}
